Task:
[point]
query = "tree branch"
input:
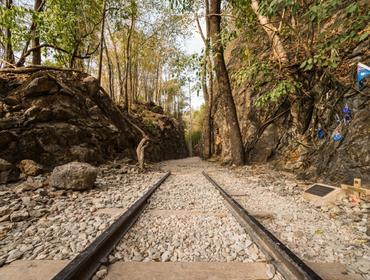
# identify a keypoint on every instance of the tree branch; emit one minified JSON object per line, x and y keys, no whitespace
{"x":26,"y":54}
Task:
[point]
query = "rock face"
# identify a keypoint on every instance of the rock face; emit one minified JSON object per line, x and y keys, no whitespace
{"x":73,"y":176}
{"x":46,"y":116}
{"x":8,"y":172}
{"x":285,"y":132}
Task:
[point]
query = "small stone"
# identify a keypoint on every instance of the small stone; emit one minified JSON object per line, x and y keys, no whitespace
{"x":166,"y":256}
{"x":19,"y":216}
{"x":253,"y":252}
{"x":154,"y":256}
{"x":27,"y":201}
{"x":4,"y":218}
{"x":30,"y":185}
{"x":102,"y":226}
{"x":42,"y":256}
{"x":4,"y":210}
{"x":13,"y":255}
{"x":5,"y":165}
{"x":270,"y":271}
{"x":30,"y":168}
{"x":137,"y":257}
{"x":4,"y":229}
{"x":102,"y":272}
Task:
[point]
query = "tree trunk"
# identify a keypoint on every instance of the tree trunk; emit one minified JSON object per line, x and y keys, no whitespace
{"x":132,"y":94}
{"x":72,"y":62}
{"x":102,"y":41}
{"x":110,"y":72}
{"x":277,"y":46}
{"x":236,"y":142}
{"x":31,"y":31}
{"x":207,"y":129}
{"x":156,"y":82}
{"x":118,"y":64}
{"x":210,"y":106}
{"x":9,"y":54}
{"x":36,"y":54}
{"x":158,"y":94}
{"x":128,"y":60}
{"x":135,"y":81}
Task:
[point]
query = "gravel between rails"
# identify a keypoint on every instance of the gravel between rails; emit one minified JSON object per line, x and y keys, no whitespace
{"x":186,"y":221}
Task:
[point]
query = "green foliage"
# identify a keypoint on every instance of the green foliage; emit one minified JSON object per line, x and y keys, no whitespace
{"x":246,"y":18}
{"x":69,"y":24}
{"x":149,"y":126}
{"x":250,"y":72}
{"x":271,"y":8}
{"x":283,"y":88}
{"x":16,"y":20}
{"x":183,"y":5}
{"x":321,"y":10}
{"x":321,"y":60}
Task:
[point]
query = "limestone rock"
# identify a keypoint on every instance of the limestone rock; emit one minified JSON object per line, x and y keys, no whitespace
{"x":73,"y":176}
{"x":14,"y":255}
{"x":41,"y":120}
{"x":8,"y":172}
{"x":30,"y":168}
{"x":40,"y":85}
{"x":31,"y":184}
{"x":102,"y":272}
{"x":5,"y":165}
{"x":19,"y":216}
{"x":4,"y":210}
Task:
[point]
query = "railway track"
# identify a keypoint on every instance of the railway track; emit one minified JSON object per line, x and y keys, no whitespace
{"x":286,"y":263}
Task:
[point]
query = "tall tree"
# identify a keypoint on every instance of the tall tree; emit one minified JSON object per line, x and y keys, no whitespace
{"x":9,"y":54}
{"x":128,"y":67}
{"x":118,"y":64}
{"x":223,"y":81}
{"x":36,"y":54}
{"x":207,"y":88}
{"x":102,"y":41}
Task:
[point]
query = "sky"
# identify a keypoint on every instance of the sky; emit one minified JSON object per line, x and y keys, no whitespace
{"x":194,"y":44}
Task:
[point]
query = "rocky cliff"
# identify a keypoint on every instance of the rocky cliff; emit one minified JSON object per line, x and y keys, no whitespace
{"x":285,"y":131}
{"x":47,"y":116}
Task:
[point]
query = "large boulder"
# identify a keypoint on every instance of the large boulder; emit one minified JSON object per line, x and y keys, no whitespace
{"x":8,"y":172}
{"x":73,"y":176}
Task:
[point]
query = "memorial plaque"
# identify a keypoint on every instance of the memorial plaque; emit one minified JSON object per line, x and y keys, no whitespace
{"x":319,"y":190}
{"x":321,"y":194}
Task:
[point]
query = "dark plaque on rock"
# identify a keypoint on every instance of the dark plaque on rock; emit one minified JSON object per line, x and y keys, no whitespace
{"x":320,"y":190}
{"x":323,"y":194}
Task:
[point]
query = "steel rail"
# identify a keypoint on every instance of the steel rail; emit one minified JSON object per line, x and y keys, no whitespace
{"x":286,"y":262}
{"x":84,"y":265}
